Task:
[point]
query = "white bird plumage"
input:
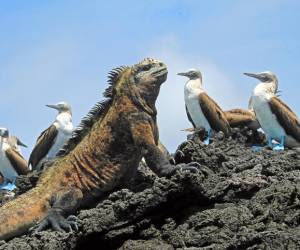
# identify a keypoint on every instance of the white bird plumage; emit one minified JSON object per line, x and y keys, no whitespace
{"x":202,"y":111}
{"x":192,"y":90}
{"x":12,"y":162}
{"x":267,"y":106}
{"x":64,"y":126}
{"x":53,"y":139}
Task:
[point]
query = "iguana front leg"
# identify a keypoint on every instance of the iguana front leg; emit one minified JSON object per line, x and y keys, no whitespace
{"x":62,"y":204}
{"x":160,"y":165}
{"x":155,"y":159}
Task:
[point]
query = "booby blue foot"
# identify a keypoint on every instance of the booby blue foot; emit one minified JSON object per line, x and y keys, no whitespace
{"x":206,"y":141}
{"x":8,"y":186}
{"x":280,"y":146}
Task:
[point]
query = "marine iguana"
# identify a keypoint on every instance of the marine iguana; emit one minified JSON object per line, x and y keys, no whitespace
{"x":102,"y":153}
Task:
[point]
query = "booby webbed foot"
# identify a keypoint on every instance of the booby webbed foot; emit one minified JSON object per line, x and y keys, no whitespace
{"x":206,"y":141}
{"x":57,"y":222}
{"x":279,"y":146}
{"x":8,"y":185}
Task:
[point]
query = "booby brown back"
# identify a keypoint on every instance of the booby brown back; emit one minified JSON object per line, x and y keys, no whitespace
{"x":241,"y":118}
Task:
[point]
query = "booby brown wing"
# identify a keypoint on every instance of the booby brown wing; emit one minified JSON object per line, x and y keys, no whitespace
{"x":189,"y":116}
{"x":42,"y":146}
{"x":241,"y":117}
{"x":286,"y":117}
{"x":17,"y":161}
{"x":214,"y":114}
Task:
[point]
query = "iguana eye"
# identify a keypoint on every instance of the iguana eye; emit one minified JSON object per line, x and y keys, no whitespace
{"x":146,"y":67}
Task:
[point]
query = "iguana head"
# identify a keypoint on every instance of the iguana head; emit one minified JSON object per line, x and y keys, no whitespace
{"x":141,"y":82}
{"x":149,"y":72}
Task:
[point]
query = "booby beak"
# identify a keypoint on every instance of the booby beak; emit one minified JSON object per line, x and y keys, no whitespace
{"x":21,"y":143}
{"x":52,"y":106}
{"x":182,"y":74}
{"x":257,"y":76}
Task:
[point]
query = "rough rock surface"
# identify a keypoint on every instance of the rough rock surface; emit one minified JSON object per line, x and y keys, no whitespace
{"x":240,"y":199}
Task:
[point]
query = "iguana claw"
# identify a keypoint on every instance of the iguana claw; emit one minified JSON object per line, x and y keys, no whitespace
{"x":179,"y":155}
{"x":57,"y":222}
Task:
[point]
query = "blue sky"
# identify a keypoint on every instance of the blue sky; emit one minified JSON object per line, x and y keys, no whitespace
{"x":62,"y":50}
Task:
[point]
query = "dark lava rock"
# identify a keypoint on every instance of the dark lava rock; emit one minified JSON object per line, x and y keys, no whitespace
{"x":146,"y":244}
{"x":26,"y":182}
{"x":239,"y":199}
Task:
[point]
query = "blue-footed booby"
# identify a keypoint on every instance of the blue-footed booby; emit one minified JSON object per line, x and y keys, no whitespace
{"x":202,"y":111}
{"x":277,"y":120}
{"x":12,"y":162}
{"x":53,"y":138}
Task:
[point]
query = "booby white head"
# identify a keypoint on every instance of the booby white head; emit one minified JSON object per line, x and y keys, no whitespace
{"x":61,"y":107}
{"x":202,"y":111}
{"x":13,"y":141}
{"x":194,"y":75}
{"x":268,"y":82}
{"x":4,"y":133}
{"x":52,"y":139}
{"x":276,"y":119}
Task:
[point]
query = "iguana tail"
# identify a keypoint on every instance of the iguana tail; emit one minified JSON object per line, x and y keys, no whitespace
{"x":18,"y":215}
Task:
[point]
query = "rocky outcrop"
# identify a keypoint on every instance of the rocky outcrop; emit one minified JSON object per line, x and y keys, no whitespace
{"x":239,"y":199}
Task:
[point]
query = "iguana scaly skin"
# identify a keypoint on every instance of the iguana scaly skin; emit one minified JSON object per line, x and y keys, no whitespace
{"x":104,"y":151}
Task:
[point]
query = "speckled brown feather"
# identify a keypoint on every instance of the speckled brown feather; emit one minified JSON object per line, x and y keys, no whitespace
{"x":241,"y":117}
{"x":286,"y":117}
{"x":42,"y":146}
{"x":214,"y":114}
{"x":17,"y":161}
